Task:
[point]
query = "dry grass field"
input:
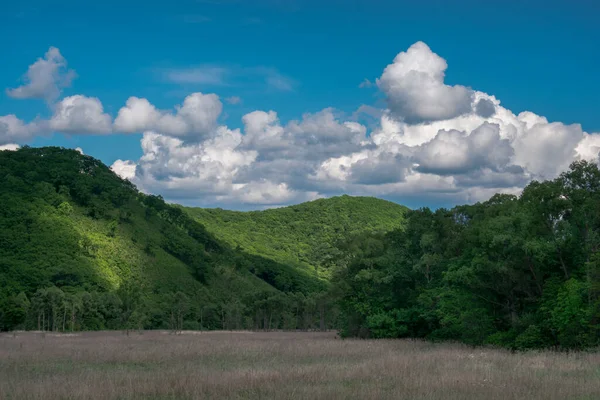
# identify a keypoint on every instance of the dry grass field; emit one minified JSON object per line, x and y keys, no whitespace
{"x":279,"y":365}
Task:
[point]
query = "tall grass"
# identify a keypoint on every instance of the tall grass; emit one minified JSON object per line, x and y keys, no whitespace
{"x":280,"y":365}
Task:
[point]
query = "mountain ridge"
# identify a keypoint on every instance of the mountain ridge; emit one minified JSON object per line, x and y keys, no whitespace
{"x":305,"y":234}
{"x":74,"y":236}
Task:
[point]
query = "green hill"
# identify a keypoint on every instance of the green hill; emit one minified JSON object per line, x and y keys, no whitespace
{"x":304,"y":235}
{"x":80,"y":248}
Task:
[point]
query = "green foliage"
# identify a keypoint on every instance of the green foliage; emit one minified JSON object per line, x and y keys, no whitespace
{"x":531,"y":338}
{"x":82,"y":249}
{"x":386,"y":324}
{"x":306,"y":235}
{"x":520,"y":272}
{"x":570,"y":316}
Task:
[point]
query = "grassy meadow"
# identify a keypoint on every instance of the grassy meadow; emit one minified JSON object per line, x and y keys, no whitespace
{"x":280,"y":365}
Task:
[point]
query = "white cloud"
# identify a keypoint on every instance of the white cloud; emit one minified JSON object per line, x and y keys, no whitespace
{"x":186,"y":169}
{"x":45,"y":78}
{"x":547,"y":149}
{"x":256,"y":167}
{"x":265,"y":192}
{"x":315,"y":137}
{"x":9,"y":147}
{"x":12,"y":130}
{"x":79,"y":150}
{"x":125,"y":169}
{"x":455,"y":152}
{"x":433,"y":144}
{"x":463,"y":159}
{"x":194,"y":120}
{"x":79,"y":114}
{"x":415,"y":89}
{"x":589,"y":147}
{"x":264,"y":132}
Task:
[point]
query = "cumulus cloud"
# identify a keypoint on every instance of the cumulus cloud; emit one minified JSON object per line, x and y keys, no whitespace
{"x":265,"y":164}
{"x":80,"y":114}
{"x":12,"y":130}
{"x":454,"y":152}
{"x":546,"y":149}
{"x":181,"y":169}
{"x":463,"y":159}
{"x":45,"y":78}
{"x":193,"y":120}
{"x":323,"y":135}
{"x":589,"y":147}
{"x":415,"y":90}
{"x":264,"y":132}
{"x":433,"y":144}
{"x":315,"y":137}
{"x":385,"y":167}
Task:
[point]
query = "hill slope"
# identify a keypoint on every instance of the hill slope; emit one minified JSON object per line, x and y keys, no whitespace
{"x":80,"y":248}
{"x":304,"y":235}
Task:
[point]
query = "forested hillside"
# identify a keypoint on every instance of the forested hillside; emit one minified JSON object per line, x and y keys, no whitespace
{"x":521,"y":272}
{"x":306,"y":235}
{"x":80,"y":248}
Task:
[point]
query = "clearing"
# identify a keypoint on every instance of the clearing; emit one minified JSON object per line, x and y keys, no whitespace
{"x":280,"y":365}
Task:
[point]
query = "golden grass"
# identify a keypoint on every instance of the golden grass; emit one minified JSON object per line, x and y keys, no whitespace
{"x":280,"y":365}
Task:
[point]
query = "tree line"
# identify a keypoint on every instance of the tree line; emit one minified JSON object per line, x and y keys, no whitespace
{"x":55,"y":310}
{"x":515,"y":271}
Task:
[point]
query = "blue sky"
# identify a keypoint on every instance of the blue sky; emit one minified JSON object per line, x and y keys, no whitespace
{"x":299,"y":57}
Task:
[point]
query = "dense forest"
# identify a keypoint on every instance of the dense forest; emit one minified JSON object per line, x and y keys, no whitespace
{"x":306,"y":235}
{"x":82,"y":249}
{"x":520,"y":272}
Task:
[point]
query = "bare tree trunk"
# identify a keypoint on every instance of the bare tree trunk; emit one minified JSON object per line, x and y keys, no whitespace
{"x":64,"y":317}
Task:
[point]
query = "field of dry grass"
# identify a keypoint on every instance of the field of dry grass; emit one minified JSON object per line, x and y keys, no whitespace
{"x":279,"y":365}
